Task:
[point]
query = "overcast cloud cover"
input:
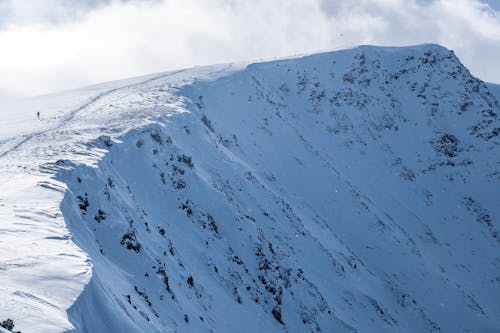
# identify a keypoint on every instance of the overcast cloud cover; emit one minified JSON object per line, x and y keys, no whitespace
{"x":52,"y":45}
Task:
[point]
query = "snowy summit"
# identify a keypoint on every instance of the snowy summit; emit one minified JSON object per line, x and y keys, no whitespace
{"x":351,"y":191}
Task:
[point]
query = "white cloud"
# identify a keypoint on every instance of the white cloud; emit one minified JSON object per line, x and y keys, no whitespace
{"x":48,"y":46}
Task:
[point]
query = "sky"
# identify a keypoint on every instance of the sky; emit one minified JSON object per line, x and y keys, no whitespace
{"x":54,"y":45}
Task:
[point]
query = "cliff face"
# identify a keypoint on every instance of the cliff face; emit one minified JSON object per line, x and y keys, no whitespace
{"x":347,"y":191}
{"x":352,"y":191}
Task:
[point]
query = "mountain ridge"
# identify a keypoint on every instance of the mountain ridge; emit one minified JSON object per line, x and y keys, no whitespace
{"x":316,"y":194}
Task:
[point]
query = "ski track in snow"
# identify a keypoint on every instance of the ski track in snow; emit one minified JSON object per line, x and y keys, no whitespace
{"x":69,"y":117}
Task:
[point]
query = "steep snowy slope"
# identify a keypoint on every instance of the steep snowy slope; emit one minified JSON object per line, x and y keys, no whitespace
{"x":42,"y":272}
{"x":339,"y":192}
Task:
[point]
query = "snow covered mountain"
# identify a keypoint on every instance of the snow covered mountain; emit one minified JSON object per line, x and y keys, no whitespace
{"x":352,"y":191}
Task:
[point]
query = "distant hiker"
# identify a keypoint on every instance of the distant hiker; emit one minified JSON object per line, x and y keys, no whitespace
{"x":38,"y":114}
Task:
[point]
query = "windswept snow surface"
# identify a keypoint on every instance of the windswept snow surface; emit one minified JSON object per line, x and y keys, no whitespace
{"x":352,"y":191}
